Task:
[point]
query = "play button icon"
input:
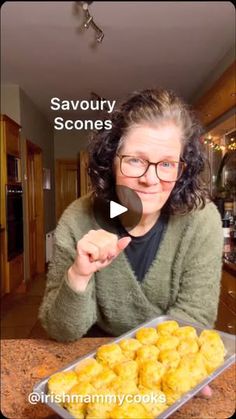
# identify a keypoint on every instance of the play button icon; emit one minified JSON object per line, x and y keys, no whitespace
{"x":116,"y":209}
{"x":124,"y":209}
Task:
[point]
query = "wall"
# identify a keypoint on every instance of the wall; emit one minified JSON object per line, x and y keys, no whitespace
{"x":10,"y":101}
{"x":67,"y":144}
{"x":37,"y":129}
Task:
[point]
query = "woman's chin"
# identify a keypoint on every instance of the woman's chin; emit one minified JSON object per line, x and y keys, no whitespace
{"x":150,"y":209}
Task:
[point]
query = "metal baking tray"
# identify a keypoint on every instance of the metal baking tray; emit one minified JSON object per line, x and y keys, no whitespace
{"x":229,"y":342}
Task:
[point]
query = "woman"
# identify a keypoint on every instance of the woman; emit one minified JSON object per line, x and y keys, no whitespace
{"x":170,"y":263}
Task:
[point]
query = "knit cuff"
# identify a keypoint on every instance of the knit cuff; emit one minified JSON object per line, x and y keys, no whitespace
{"x":67,"y":296}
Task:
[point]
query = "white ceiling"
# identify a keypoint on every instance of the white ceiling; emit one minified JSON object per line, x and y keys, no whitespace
{"x":169,"y":44}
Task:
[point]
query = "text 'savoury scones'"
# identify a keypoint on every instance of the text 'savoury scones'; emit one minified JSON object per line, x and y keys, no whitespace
{"x":154,"y":369}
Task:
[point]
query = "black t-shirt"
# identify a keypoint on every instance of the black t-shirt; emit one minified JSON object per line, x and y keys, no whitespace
{"x":142,"y":250}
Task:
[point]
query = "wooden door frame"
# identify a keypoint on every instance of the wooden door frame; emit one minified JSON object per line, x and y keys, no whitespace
{"x":4,"y":273}
{"x":58,"y":163}
{"x":40,"y":226}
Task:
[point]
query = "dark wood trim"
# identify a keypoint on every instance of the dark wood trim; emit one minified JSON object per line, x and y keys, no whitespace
{"x":219,"y":99}
{"x":58,"y":163}
{"x":8,"y":119}
{"x":32,"y":148}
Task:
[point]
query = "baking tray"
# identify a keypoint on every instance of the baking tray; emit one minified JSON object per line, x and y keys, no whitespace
{"x":229,"y":342}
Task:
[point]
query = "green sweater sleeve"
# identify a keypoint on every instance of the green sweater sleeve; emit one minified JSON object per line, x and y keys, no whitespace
{"x":198,"y":296}
{"x":64,"y":313}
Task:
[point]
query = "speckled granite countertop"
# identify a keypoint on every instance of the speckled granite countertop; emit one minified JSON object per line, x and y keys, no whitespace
{"x":26,"y":361}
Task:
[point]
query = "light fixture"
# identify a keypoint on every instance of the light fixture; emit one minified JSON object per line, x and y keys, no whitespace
{"x":100,"y":37}
{"x":85,"y":4}
{"x":89,"y":21}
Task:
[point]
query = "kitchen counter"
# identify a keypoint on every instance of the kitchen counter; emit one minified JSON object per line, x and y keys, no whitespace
{"x":26,"y":361}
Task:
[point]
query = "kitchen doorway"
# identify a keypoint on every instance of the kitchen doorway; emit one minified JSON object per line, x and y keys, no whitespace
{"x":66,"y":184}
{"x":36,"y":236}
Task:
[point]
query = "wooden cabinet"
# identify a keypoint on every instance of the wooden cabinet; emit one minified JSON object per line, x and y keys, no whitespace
{"x":16,"y":271}
{"x":226,"y":320}
{"x":13,"y":138}
{"x":3,"y":180}
{"x":3,"y":261}
{"x":12,"y":271}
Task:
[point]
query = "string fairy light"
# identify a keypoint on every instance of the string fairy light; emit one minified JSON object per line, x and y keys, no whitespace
{"x":217,"y":147}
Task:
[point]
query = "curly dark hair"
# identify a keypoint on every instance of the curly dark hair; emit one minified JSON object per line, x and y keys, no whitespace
{"x":152,"y":106}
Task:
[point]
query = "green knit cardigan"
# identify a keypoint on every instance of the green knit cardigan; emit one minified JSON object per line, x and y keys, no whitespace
{"x":183,"y":280}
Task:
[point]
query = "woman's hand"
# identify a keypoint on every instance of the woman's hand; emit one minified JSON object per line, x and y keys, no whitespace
{"x":95,"y":251}
{"x":206,"y":392}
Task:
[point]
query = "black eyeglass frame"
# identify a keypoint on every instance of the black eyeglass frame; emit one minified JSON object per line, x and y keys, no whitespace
{"x":183,"y":167}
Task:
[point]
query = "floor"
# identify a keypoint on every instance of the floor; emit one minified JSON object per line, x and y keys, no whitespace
{"x":19,"y":312}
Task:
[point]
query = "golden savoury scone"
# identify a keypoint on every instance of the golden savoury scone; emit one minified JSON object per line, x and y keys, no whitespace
{"x":130,"y":411}
{"x":175,"y":383}
{"x":186,"y":332}
{"x":169,"y":358}
{"x":212,"y":348}
{"x":77,"y":407}
{"x":167,"y":342}
{"x":153,"y":407}
{"x":150,"y":374}
{"x":147,"y":335}
{"x":100,"y":408}
{"x":128,"y":370}
{"x":213,"y":338}
{"x":78,"y":412}
{"x":104,"y":378}
{"x":187,"y":346}
{"x":213,"y":358}
{"x":87,"y":369}
{"x":167,"y":328}
{"x":147,"y":352}
{"x":195,"y":365}
{"x":61,"y":383}
{"x":110,"y":355}
{"x":122,"y":386}
{"x":129,"y":347}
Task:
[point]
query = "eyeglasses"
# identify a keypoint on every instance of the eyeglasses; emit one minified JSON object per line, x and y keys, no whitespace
{"x":166,"y":170}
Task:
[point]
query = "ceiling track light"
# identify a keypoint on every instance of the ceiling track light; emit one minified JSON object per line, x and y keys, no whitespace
{"x":89,"y":21}
{"x":100,"y":37}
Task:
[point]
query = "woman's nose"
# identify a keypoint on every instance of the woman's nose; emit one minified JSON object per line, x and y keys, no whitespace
{"x":150,"y":177}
